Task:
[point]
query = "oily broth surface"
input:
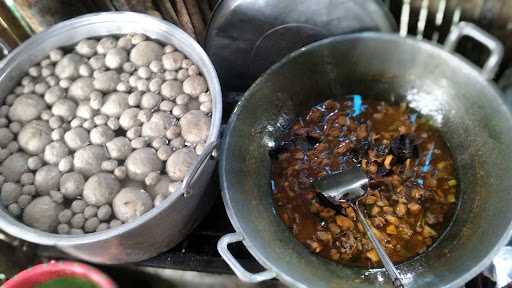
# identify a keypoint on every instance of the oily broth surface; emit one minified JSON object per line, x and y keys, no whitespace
{"x":412,"y":188}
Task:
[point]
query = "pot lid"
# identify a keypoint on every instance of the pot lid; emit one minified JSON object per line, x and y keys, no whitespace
{"x":246,"y":37}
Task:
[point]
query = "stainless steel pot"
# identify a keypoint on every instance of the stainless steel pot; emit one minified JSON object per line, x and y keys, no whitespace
{"x":459,"y":96}
{"x":164,"y":226}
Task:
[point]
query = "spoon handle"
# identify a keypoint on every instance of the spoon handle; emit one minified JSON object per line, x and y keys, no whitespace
{"x":388,"y":264}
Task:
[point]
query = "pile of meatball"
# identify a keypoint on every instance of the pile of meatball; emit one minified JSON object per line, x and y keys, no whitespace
{"x":98,"y":134}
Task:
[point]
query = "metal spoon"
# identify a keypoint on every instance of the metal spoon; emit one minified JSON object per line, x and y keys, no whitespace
{"x":349,"y":186}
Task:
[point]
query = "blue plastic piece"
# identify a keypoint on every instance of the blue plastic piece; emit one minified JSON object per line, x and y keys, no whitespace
{"x":357,"y":106}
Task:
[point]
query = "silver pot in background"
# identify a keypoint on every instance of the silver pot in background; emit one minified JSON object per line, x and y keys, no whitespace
{"x":164,"y":226}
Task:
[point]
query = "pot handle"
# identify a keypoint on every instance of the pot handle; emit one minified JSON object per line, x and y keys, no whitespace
{"x":244,"y":275}
{"x":492,"y":64}
{"x":205,"y":157}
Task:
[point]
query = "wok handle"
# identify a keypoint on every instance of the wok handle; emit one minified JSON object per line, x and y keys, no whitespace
{"x":492,"y":43}
{"x":244,"y":275}
{"x":204,"y":158}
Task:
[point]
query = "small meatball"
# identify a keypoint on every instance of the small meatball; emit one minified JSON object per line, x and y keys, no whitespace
{"x":75,"y":231}
{"x":141,"y":162}
{"x":76,"y":138}
{"x":55,"y":55}
{"x":170,"y":89}
{"x":63,"y":229}
{"x":106,"y":81}
{"x":172,"y":61}
{"x":67,"y":67}
{"x":166,"y":105}
{"x":130,"y":203}
{"x":85,"y":70}
{"x":66,"y":164}
{"x":26,"y":108}
{"x":173,"y":132}
{"x":77,"y":221}
{"x":14,"y":166}
{"x":85,"y":111}
{"x":47,"y":178}
{"x":65,"y":216}
{"x":64,"y":108}
{"x":102,"y":227}
{"x":81,"y":88}
{"x":42,"y":214}
{"x":97,"y":62}
{"x":88,"y":160}
{"x":152,"y":178}
{"x":6,"y":136}
{"x":139,"y":142}
{"x":125,"y":42}
{"x":29,"y":190}
{"x":182,"y":99}
{"x":129,"y":118}
{"x":195,"y":85}
{"x":164,"y":153}
{"x":115,"y":104}
{"x":24,"y":200}
{"x":90,"y":211}
{"x":72,"y":184}
{"x":10,"y":193}
{"x":34,"y":137}
{"x":104,"y":212}
{"x":160,"y":186}
{"x":115,"y":58}
{"x":182,"y":74}
{"x":101,"y":135}
{"x":78,"y":206}
{"x":55,"y":152}
{"x":100,"y":189}
{"x":180,"y":162}
{"x":195,"y":126}
{"x":56,"y":196}
{"x":120,"y":172}
{"x":91,"y":224}
{"x":86,"y":47}
{"x":179,"y":110}
{"x":106,"y":44}
{"x":144,"y":72}
{"x":119,"y":148}
{"x":115,"y":223}
{"x":109,"y":165}
{"x":145,"y":52}
{"x":149,"y":100}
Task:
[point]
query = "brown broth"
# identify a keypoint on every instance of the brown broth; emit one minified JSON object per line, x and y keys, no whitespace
{"x":410,"y":199}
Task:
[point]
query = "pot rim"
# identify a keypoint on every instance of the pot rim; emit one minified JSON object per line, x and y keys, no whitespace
{"x":16,"y":227}
{"x":248,"y":242}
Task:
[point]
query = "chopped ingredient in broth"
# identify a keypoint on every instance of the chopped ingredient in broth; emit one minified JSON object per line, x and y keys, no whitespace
{"x":412,"y":185}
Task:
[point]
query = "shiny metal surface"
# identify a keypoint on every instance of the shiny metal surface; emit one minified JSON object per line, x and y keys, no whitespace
{"x":343,"y":186}
{"x":246,"y":37}
{"x":467,"y":108}
{"x":162,"y":227}
{"x":349,"y":186}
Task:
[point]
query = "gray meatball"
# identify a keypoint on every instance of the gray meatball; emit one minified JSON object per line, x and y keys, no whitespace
{"x":72,"y":185}
{"x":195,"y":126}
{"x":76,"y":138}
{"x":55,"y":152}
{"x":34,"y":137}
{"x":119,"y":148}
{"x":67,"y":67}
{"x":81,"y":88}
{"x":27,"y":108}
{"x":180,"y":162}
{"x":10,"y":193}
{"x":88,"y":160}
{"x":114,"y":104}
{"x":47,"y":179}
{"x":145,"y":52}
{"x":141,"y":162}
{"x":14,"y":166}
{"x":101,"y":188}
{"x":130,"y":203}
{"x":42,"y":214}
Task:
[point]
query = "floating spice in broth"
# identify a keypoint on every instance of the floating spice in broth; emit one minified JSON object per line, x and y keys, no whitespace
{"x":412,"y":185}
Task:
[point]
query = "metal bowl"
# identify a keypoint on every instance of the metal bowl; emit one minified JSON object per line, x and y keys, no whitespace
{"x":462,"y":101}
{"x":164,"y":226}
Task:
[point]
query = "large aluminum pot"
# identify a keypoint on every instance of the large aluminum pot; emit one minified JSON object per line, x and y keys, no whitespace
{"x":462,"y":101}
{"x":164,"y":226}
